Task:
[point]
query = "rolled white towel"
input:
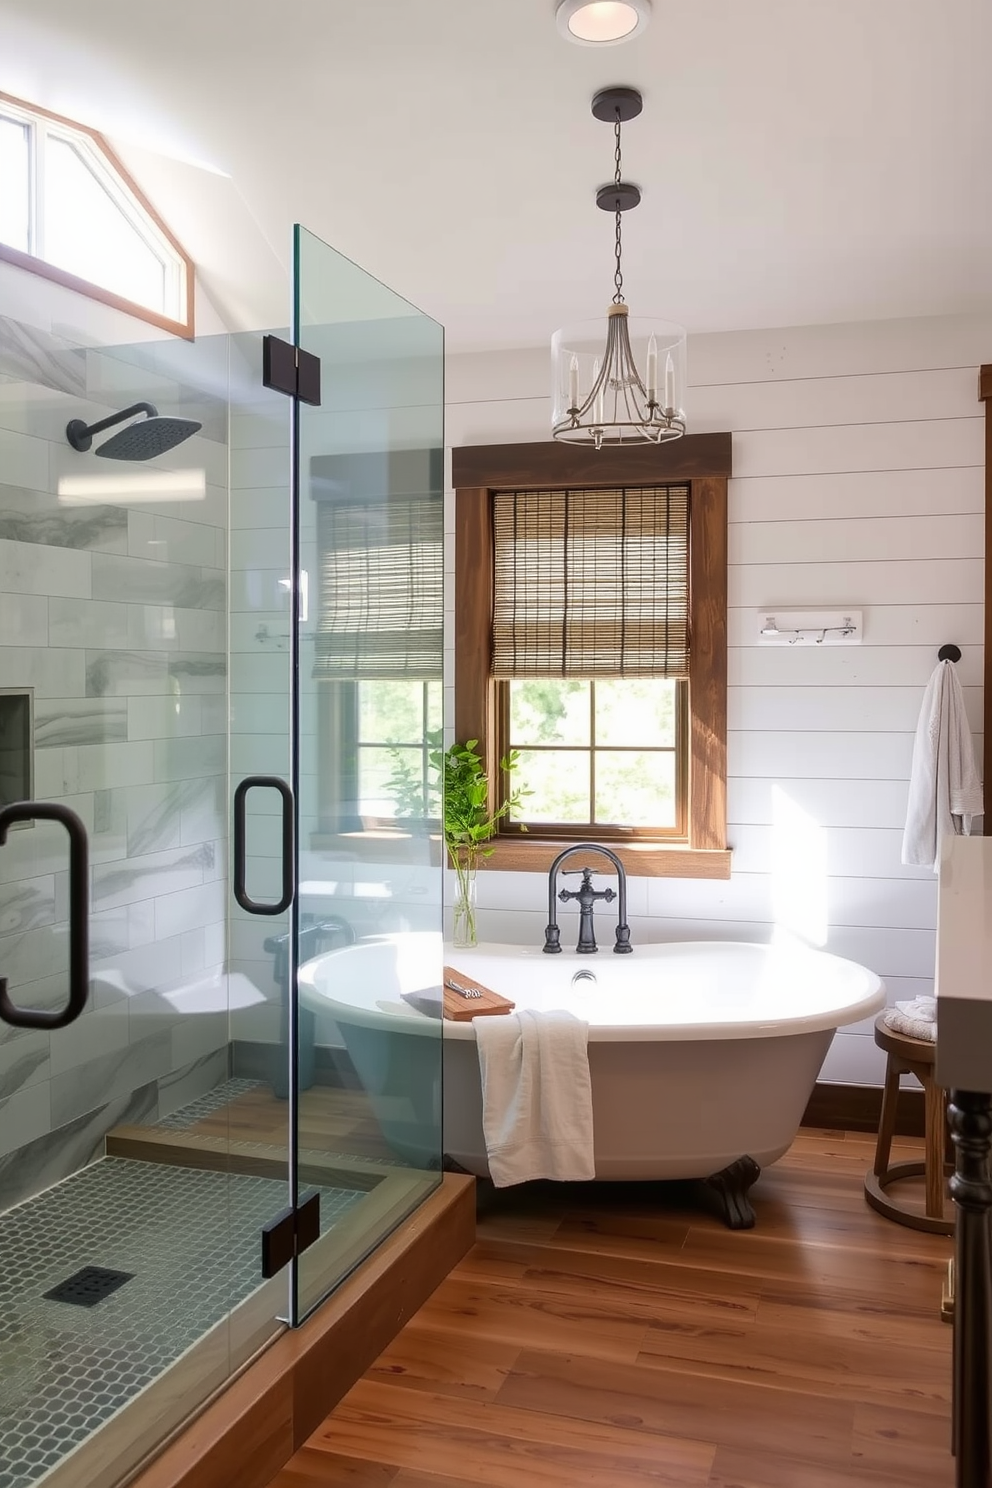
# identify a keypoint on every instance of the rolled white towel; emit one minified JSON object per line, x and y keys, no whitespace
{"x":923,"y":1008}
{"x":918,"y":1028}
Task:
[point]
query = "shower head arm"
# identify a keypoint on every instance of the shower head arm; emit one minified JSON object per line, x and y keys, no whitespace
{"x":80,"y":434}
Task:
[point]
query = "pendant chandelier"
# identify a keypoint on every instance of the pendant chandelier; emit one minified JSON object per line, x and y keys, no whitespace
{"x":620,"y":381}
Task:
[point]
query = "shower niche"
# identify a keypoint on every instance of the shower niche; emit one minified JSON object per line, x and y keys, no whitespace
{"x":16,"y":734}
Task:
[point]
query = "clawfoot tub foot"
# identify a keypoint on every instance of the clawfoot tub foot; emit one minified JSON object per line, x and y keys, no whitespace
{"x":727,"y":1191}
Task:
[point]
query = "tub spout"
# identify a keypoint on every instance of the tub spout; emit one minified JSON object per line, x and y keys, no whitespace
{"x":587,"y":897}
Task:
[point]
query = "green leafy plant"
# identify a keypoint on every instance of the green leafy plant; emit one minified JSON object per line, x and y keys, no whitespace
{"x":467,"y":822}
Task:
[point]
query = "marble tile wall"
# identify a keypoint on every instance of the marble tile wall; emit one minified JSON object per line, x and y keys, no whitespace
{"x":113,"y":611}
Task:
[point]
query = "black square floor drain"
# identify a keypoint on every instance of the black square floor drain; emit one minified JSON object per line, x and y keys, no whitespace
{"x":89,"y":1286}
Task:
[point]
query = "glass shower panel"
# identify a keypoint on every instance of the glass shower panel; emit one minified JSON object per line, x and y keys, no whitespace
{"x":129,"y":1220}
{"x":370,"y":621}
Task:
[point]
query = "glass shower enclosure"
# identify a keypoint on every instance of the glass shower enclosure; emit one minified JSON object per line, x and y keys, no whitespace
{"x":220,"y":680}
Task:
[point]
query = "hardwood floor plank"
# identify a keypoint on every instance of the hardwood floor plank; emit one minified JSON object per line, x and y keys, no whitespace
{"x":736,"y":1468}
{"x":674,"y":1292}
{"x":901,"y":1446}
{"x":423,"y":1358}
{"x":521,"y":1225}
{"x":645,"y":1289}
{"x":410,"y":1478}
{"x":504,"y":1447}
{"x":805,"y":1361}
{"x":504,"y":1314}
{"x":722,"y":1412}
{"x":313,"y":1468}
{"x":495,"y":1261}
{"x":884,"y":1273}
{"x":834,"y":1312}
{"x":798,"y":1204}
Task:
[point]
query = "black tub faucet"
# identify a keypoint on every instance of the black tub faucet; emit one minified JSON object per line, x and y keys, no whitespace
{"x":587,"y":897}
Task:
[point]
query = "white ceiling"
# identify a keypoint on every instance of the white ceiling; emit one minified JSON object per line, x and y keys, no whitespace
{"x":801,"y":161}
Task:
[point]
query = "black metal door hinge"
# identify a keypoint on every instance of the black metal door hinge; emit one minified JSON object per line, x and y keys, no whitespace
{"x":291,"y":370}
{"x":291,"y":1233}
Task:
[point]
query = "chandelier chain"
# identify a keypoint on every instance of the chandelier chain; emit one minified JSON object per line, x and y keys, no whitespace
{"x":618,"y":276}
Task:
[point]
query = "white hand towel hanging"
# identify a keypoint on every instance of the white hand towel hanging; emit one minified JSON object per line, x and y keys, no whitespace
{"x":536,"y":1096}
{"x":945,"y":792}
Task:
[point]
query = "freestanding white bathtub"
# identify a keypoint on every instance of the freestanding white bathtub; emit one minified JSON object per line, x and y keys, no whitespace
{"x":701,"y":1053}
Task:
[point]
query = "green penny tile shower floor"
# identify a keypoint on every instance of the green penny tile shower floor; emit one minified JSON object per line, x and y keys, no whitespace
{"x":189,"y":1237}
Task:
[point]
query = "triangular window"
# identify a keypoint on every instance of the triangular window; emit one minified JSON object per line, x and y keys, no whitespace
{"x":69,"y":211}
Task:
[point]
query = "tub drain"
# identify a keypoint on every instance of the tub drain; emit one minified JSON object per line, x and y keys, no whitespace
{"x":583,"y":976}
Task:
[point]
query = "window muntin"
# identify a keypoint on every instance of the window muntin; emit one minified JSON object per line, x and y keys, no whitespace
{"x":598,"y":756}
{"x":69,"y":211}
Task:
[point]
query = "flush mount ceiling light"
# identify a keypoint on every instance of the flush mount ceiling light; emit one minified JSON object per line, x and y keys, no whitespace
{"x":602,"y":22}
{"x":599,"y":395}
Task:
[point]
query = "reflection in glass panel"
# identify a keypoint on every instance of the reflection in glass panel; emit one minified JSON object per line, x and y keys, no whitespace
{"x":398,"y":724}
{"x":110,"y":252}
{"x":559,"y":784}
{"x":636,"y":710}
{"x":372,"y":531}
{"x":635,"y":789}
{"x":15,"y":185}
{"x":549,"y":710}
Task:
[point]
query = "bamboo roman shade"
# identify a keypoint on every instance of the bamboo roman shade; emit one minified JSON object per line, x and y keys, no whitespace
{"x":381,"y":604}
{"x":591,"y":583}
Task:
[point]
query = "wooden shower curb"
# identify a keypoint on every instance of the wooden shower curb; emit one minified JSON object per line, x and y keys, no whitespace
{"x":256,"y":1424}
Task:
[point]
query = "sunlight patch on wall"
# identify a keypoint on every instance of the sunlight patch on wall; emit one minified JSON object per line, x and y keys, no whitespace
{"x":799,"y":872}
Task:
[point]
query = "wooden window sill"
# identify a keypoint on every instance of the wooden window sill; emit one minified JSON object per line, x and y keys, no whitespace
{"x":641,"y":860}
{"x":529,"y":854}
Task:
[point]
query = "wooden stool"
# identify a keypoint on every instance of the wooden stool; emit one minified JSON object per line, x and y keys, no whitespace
{"x":910,"y":1056}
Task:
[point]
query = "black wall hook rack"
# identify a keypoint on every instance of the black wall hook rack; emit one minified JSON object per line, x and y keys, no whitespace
{"x":950,"y":652}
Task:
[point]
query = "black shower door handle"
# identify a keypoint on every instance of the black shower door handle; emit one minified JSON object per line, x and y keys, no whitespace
{"x":276,"y":783}
{"x":79,"y":909}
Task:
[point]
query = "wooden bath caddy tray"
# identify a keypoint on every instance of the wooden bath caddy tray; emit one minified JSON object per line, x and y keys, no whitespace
{"x":462,"y":1009}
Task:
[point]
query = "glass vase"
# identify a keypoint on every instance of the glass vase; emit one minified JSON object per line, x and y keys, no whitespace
{"x":463,"y":930}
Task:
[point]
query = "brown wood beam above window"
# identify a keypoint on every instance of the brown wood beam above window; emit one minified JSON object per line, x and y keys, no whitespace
{"x":548,"y":464}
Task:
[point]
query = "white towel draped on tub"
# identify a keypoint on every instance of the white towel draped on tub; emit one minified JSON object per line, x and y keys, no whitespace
{"x":536,"y":1096}
{"x":944,"y":789}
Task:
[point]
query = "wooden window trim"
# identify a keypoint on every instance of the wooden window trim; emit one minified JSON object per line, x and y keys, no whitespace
{"x":704,"y":460}
{"x":32,"y":265}
{"x":985,"y":396}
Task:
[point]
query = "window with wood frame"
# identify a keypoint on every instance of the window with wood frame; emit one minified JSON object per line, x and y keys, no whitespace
{"x":70,"y":212}
{"x":590,"y":594}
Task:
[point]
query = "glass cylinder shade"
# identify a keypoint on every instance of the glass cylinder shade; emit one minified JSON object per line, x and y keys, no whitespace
{"x":619,"y":380}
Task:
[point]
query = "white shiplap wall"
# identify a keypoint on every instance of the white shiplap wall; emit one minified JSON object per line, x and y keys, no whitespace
{"x":859,"y":481}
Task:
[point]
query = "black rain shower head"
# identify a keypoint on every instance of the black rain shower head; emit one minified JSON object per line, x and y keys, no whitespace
{"x":150,"y":436}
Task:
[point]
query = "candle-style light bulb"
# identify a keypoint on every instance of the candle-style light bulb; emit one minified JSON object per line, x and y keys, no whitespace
{"x":573,"y":382}
{"x":669,"y":384}
{"x":652,"y":378}
{"x":597,"y":412}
